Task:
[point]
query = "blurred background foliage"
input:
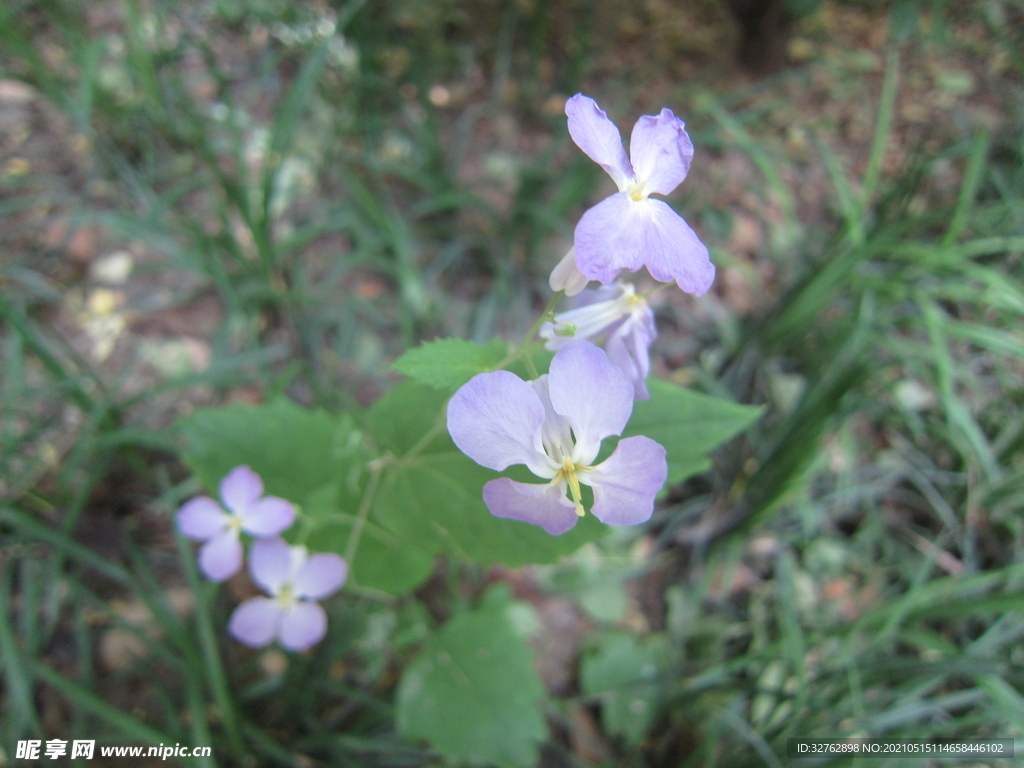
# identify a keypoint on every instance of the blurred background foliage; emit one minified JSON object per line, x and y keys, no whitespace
{"x":224,"y":201}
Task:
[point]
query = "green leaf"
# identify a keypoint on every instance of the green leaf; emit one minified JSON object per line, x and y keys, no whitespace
{"x":450,"y":363}
{"x":435,"y":499}
{"x":400,"y":419}
{"x":472,"y":691}
{"x":624,"y":674}
{"x":295,"y":450}
{"x":382,"y":560}
{"x":687,"y":424}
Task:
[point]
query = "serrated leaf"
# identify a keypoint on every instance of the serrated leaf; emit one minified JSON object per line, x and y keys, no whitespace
{"x":450,"y":363}
{"x":472,"y":691}
{"x":295,"y":450}
{"x":623,"y":673}
{"x":687,"y":424}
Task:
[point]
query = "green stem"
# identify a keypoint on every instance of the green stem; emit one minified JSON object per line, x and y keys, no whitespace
{"x":547,"y":315}
{"x":376,"y":469}
{"x":440,"y":425}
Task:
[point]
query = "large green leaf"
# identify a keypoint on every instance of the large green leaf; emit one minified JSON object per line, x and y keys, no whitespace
{"x":624,"y":674}
{"x":435,"y":499}
{"x":687,"y":424}
{"x":400,"y":419}
{"x":382,"y":560}
{"x":472,"y":691}
{"x":450,"y":363}
{"x":295,"y":450}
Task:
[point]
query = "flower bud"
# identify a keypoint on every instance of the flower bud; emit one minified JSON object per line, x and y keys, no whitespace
{"x":566,"y":276}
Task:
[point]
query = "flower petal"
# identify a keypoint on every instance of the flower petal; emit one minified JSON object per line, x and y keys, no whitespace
{"x":240,"y":489}
{"x":596,"y":135}
{"x":626,"y":483}
{"x":673,"y":251}
{"x":201,"y":518}
{"x":270,"y":563}
{"x":255,"y":621}
{"x":566,"y":275}
{"x":660,"y":152}
{"x":221,"y":556}
{"x":628,"y":348}
{"x":495,"y":419}
{"x":593,"y":395}
{"x":607,"y":239}
{"x":621,"y":233}
{"x":543,"y":505}
{"x":268,"y":516}
{"x":303,"y":624}
{"x":590,"y":317}
{"x":321,"y":575}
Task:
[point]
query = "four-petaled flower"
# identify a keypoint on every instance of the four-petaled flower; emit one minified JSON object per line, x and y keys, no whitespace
{"x":616,"y":311}
{"x":629,"y":230}
{"x":554,"y":425}
{"x":249,"y":510}
{"x":295,"y":580}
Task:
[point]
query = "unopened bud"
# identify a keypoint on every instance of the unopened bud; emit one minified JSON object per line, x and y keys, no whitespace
{"x":566,"y":276}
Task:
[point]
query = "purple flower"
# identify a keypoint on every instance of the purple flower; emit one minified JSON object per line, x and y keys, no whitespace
{"x":554,"y":425}
{"x":295,"y":580}
{"x":616,"y":311}
{"x":629,"y":230}
{"x":249,"y":510}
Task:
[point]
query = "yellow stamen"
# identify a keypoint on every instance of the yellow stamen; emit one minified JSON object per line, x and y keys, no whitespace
{"x":284,"y":597}
{"x":569,"y":472}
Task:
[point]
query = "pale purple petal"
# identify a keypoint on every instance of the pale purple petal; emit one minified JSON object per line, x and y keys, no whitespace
{"x":201,"y":518}
{"x":303,"y":625}
{"x":221,"y":556}
{"x":543,"y":505}
{"x":590,"y":317}
{"x":495,"y":419}
{"x":270,"y":563}
{"x":321,"y":575}
{"x":593,"y":395}
{"x":626,"y":483}
{"x":621,"y":233}
{"x":240,"y":489}
{"x":566,"y":275}
{"x":597,"y":295}
{"x":628,"y":348}
{"x":556,"y":434}
{"x":660,"y":152}
{"x":673,"y":251}
{"x":267,"y":516}
{"x":255,"y":621}
{"x":607,"y":239}
{"x":596,"y":135}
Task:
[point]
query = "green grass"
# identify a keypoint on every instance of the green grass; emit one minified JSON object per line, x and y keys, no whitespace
{"x":859,"y":567}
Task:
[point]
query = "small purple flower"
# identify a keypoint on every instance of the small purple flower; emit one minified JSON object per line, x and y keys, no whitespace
{"x":295,"y":580}
{"x":616,"y":311}
{"x":554,"y":425}
{"x":249,"y":510}
{"x":629,"y":230}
